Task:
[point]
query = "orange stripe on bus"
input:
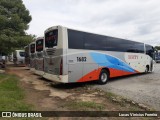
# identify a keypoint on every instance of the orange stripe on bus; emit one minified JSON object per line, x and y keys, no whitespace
{"x":94,"y":75}
{"x":117,"y":73}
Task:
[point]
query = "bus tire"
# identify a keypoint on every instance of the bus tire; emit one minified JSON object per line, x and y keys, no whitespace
{"x":147,"y":69}
{"x":103,"y":77}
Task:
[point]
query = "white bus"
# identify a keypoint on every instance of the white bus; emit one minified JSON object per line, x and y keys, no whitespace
{"x":158,"y":56}
{"x":18,"y":57}
{"x":32,"y":56}
{"x":77,"y":56}
{"x":39,"y":64}
{"x":10,"y":57}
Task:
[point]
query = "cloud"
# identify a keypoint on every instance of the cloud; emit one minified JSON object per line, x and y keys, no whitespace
{"x":136,"y":20}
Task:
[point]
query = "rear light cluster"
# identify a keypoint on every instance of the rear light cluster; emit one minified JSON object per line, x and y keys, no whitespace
{"x":61,"y":67}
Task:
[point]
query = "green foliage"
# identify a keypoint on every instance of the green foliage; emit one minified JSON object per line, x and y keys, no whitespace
{"x":157,"y":47}
{"x":11,"y":95}
{"x":14,"y":20}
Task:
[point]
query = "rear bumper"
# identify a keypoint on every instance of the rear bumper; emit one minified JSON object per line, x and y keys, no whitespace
{"x":38,"y":72}
{"x":56,"y":78}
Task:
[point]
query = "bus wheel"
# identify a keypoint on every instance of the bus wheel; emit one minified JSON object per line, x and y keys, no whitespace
{"x":103,"y":77}
{"x":147,"y":69}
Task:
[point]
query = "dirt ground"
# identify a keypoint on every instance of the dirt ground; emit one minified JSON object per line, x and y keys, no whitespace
{"x":45,"y":95}
{"x":141,"y":88}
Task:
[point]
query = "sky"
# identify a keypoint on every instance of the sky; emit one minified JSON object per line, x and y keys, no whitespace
{"x":137,"y":20}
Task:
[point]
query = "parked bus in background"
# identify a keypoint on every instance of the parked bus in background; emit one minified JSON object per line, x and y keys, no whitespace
{"x":18,"y":57}
{"x":77,"y":56}
{"x":158,"y":56}
{"x":10,"y":57}
{"x":2,"y":61}
{"x":27,"y":59}
{"x":39,"y":64}
{"x":32,"y":56}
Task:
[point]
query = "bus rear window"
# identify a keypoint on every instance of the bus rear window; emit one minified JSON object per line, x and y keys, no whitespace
{"x":51,"y":38}
{"x":32,"y":48}
{"x":39,"y":45}
{"x":22,"y":54}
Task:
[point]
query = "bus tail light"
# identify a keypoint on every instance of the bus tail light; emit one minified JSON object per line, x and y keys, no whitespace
{"x":61,"y":67}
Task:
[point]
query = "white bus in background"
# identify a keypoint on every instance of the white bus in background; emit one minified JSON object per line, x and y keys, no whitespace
{"x":32,"y":56}
{"x":10,"y":57}
{"x":39,"y":63}
{"x":76,"y":56}
{"x":158,"y":56}
{"x":18,"y":57}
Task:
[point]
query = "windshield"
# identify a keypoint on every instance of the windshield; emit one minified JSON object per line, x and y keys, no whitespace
{"x":51,"y":38}
{"x":32,"y":48}
{"x":39,"y":45}
{"x":150,"y":51}
{"x":22,"y":54}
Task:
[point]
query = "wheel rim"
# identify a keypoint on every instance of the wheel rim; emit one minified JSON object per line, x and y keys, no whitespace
{"x":103,"y":77}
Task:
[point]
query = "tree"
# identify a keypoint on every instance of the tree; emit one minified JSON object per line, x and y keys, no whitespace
{"x":157,"y":47}
{"x":14,"y":20}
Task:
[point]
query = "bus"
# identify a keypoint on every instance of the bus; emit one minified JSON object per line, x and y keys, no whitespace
{"x":77,"y":56}
{"x":2,"y":61}
{"x":157,"y":56}
{"x":18,"y":57}
{"x":32,"y":56}
{"x":10,"y":57}
{"x":39,"y":56}
{"x":27,"y":59}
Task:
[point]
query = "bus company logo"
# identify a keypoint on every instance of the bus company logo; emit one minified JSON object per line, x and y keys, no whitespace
{"x":6,"y":114}
{"x":132,"y":56}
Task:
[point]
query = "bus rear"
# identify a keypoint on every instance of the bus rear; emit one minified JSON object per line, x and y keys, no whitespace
{"x":39,"y":63}
{"x":32,"y":56}
{"x":54,"y":58}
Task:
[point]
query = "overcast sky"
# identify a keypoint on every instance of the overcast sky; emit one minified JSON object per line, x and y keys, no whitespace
{"x":137,"y":20}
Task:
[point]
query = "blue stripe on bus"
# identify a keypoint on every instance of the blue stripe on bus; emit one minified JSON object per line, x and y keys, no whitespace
{"x":110,"y":62}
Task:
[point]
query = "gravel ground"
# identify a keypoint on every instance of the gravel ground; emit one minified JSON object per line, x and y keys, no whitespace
{"x":142,"y":88}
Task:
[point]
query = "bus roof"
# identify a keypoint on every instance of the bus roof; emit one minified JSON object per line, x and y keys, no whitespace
{"x":38,"y":38}
{"x":32,"y":43}
{"x":54,"y":27}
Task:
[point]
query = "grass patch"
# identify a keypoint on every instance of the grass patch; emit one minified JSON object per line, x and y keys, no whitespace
{"x":11,"y":96}
{"x":110,"y":95}
{"x":81,"y":105}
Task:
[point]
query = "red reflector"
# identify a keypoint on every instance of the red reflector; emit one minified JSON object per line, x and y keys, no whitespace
{"x":61,"y":67}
